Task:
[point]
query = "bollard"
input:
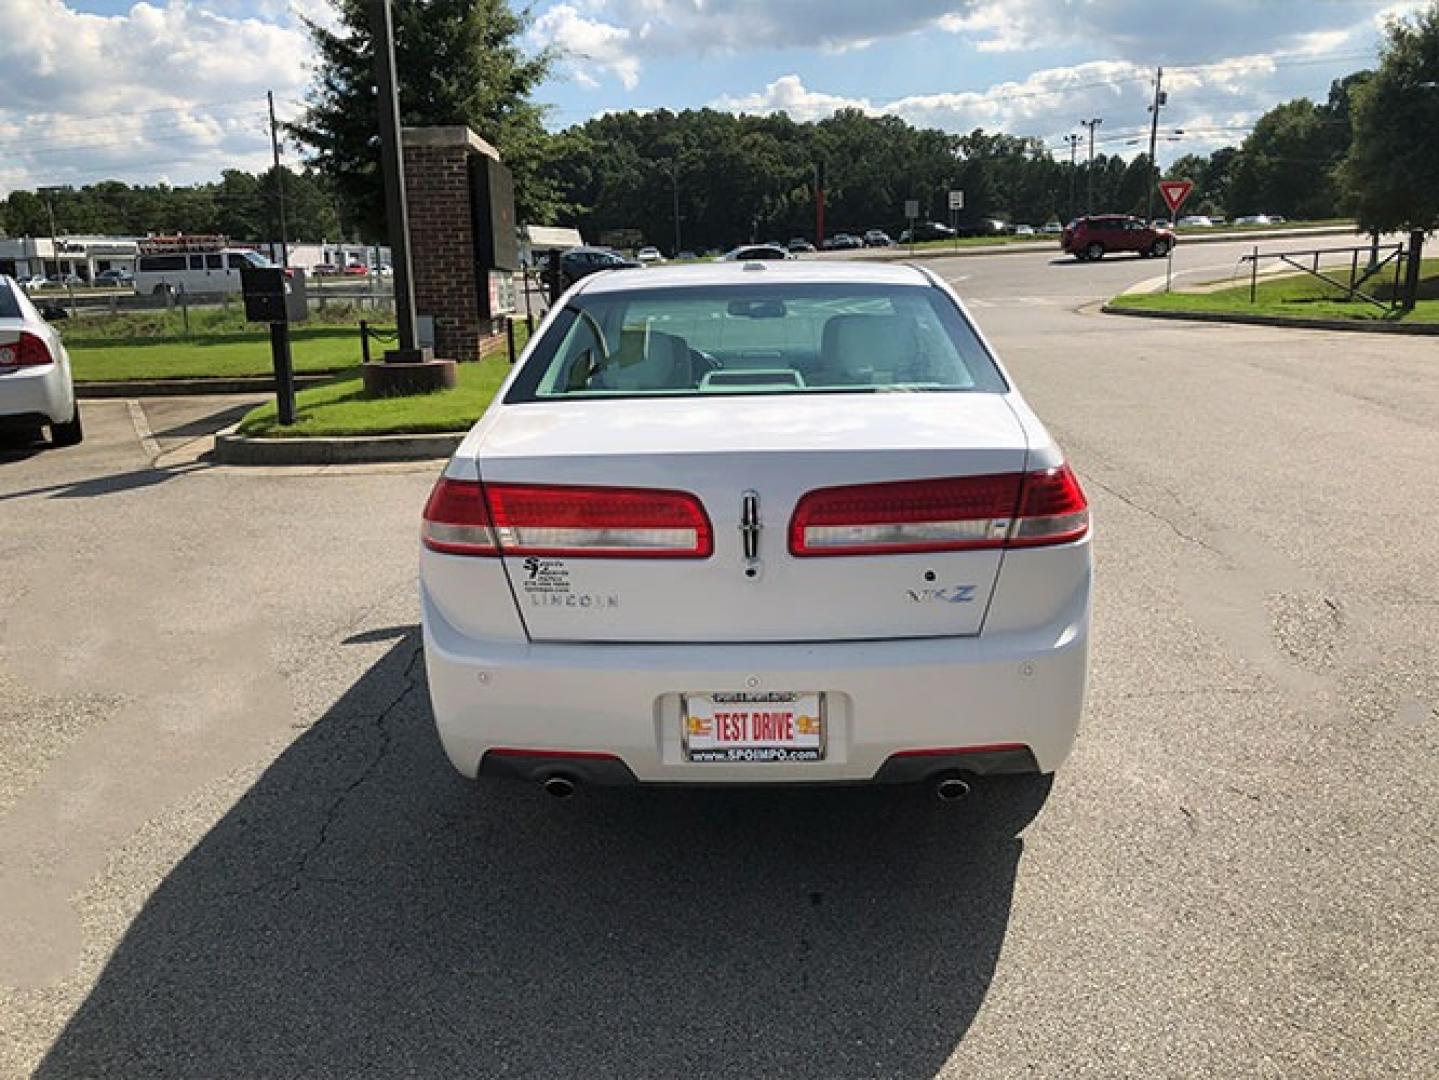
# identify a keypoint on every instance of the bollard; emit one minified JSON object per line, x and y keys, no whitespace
{"x":510,"y":337}
{"x":1254,"y":274}
{"x":364,"y":341}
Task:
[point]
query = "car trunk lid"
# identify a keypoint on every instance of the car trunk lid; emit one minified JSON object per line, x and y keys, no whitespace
{"x":749,"y":461}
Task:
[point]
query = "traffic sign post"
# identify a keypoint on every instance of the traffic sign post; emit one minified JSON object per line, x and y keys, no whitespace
{"x":956,"y":204}
{"x":1174,"y":192}
{"x":911,"y":211}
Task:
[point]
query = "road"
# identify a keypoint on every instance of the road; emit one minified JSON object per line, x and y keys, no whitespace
{"x":230,"y":845}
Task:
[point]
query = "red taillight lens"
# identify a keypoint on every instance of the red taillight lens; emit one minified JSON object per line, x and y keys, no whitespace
{"x":599,"y":522}
{"x":1052,"y":509}
{"x":952,"y":514}
{"x":30,"y":349}
{"x":962,"y":513}
{"x":456,"y":520}
{"x":462,"y":518}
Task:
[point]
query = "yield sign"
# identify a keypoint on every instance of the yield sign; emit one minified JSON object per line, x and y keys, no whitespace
{"x":1175,"y":192}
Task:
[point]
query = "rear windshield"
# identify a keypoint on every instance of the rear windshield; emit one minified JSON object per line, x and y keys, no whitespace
{"x":757,"y":339}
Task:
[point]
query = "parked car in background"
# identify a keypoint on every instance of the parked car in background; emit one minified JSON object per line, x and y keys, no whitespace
{"x":67,"y":278}
{"x":1276,"y":219}
{"x":1162,"y":223}
{"x":877,"y":238}
{"x":1253,"y":219}
{"x":1090,"y":238}
{"x":36,"y":389}
{"x":580,"y":262}
{"x":1051,"y":228}
{"x":755,"y":252}
{"x":1024,"y":230}
{"x":649,"y":256}
{"x":686,"y":255}
{"x":1196,"y":221}
{"x":324,"y":269}
{"x":926,"y":230}
{"x":114,"y":276}
{"x":799,"y":245}
{"x":726,"y":527}
{"x":34,"y":281}
{"x":842,"y":241}
{"x":356,"y":269}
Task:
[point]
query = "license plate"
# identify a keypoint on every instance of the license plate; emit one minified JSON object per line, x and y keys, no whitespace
{"x":773,"y":725}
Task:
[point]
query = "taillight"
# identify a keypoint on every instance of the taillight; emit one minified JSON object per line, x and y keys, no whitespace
{"x":963,"y":513}
{"x":1052,"y":509}
{"x":464,"y":518}
{"x":30,"y":349}
{"x":456,"y":520}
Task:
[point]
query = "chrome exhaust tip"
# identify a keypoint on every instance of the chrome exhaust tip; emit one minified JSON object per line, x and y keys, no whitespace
{"x":951,"y":789}
{"x":561,"y":787}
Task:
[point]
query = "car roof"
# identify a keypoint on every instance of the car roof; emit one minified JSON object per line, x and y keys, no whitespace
{"x":735,"y":272}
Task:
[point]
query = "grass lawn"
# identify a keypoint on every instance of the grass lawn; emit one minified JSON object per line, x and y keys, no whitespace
{"x":214,"y":354}
{"x":1298,"y":297}
{"x":341,"y":408}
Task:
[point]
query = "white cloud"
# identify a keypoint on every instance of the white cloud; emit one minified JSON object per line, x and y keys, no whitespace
{"x":177,"y":88}
{"x":589,"y":45}
{"x":1212,"y":104}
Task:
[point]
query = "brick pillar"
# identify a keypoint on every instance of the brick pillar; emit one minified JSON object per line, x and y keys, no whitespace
{"x":449,"y":285}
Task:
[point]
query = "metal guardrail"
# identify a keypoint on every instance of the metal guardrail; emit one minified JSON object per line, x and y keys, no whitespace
{"x":1351,"y":287}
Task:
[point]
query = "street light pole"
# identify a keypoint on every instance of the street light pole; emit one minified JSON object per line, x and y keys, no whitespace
{"x":55,"y":248}
{"x":1073,"y":139}
{"x":1089,"y":169}
{"x":392,"y":165}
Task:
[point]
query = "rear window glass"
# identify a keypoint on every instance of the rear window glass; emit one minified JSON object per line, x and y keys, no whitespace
{"x":757,"y":339}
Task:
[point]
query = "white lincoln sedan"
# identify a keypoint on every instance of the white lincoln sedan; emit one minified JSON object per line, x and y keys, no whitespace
{"x":757,"y":523}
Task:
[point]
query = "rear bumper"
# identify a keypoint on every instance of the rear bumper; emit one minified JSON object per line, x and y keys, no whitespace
{"x":42,"y":392}
{"x":886,"y":699}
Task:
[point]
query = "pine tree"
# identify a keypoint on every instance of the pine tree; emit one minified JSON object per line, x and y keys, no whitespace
{"x":459,"y":62}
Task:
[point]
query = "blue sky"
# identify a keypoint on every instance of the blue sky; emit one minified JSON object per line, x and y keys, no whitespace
{"x":175,"y":90}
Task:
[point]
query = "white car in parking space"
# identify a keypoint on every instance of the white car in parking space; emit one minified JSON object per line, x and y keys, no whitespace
{"x":757,"y":523}
{"x":35,"y":386}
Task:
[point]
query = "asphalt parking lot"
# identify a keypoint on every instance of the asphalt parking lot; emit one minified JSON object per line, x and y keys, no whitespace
{"x":230,"y":845}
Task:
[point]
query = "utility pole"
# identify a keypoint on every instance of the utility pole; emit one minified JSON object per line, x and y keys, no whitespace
{"x":55,"y":246}
{"x":1089,"y":169}
{"x":675,"y":181}
{"x":1073,"y":139}
{"x":279,"y":181}
{"x":819,"y":204}
{"x":1159,"y":99}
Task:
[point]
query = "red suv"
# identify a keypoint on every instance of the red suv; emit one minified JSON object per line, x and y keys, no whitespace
{"x":1093,"y":237}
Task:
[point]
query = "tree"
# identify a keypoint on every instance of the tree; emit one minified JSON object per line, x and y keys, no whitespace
{"x":1391,"y":175}
{"x":458,"y":62}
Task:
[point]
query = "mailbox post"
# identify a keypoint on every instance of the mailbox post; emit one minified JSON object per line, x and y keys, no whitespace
{"x":271,"y":297}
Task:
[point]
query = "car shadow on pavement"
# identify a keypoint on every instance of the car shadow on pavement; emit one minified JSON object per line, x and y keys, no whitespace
{"x":363,"y":911}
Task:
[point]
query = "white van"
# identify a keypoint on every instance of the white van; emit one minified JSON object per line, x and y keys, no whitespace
{"x":194,"y":272}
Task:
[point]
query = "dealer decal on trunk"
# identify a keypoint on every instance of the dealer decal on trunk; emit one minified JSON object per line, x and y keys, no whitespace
{"x":547,"y":583}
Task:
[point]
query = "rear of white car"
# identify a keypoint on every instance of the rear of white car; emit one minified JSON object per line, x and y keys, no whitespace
{"x":757,"y":524}
{"x":35,"y":384}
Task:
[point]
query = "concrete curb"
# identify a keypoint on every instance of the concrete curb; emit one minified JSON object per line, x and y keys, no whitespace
{"x":234,"y":449}
{"x":130,"y":388}
{"x":898,"y":254}
{"x":1417,"y":329}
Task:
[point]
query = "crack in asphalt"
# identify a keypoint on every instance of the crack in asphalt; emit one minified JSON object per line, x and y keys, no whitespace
{"x":332,"y":812}
{"x":1156,"y":515}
